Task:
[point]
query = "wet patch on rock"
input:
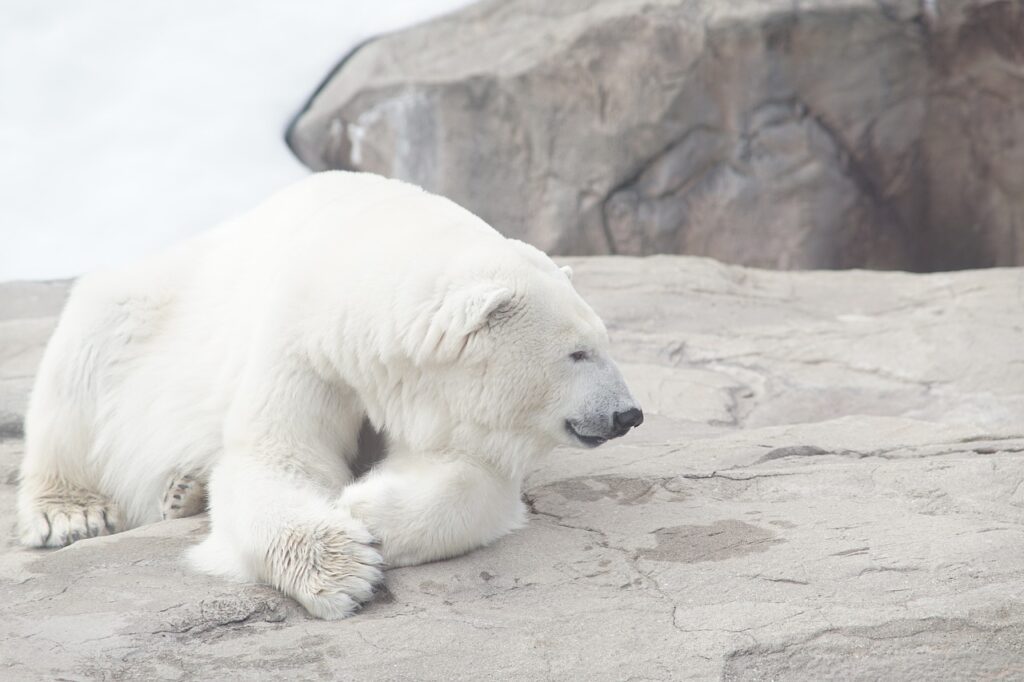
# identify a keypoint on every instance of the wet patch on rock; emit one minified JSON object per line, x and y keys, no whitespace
{"x":11,"y":426}
{"x":719,"y":541}
{"x":620,"y":489}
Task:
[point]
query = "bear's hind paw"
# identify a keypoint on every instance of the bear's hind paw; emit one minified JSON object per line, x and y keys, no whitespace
{"x":185,"y":496}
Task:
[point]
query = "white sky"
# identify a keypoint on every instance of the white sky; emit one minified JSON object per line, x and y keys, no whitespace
{"x":126,"y":124}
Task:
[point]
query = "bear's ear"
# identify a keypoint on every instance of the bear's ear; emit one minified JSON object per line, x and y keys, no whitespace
{"x":462,"y":312}
{"x":568,"y":271}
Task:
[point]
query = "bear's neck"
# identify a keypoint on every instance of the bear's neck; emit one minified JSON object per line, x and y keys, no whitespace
{"x":513,"y":455}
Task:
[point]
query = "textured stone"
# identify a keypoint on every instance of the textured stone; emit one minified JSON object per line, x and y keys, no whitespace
{"x":828,"y":485}
{"x":818,"y":134}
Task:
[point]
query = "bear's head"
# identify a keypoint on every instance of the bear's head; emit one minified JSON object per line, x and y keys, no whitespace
{"x":523,"y":360}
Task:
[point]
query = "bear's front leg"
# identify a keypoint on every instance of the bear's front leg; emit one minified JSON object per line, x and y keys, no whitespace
{"x":429,"y":506}
{"x":271,"y":497}
{"x":278,"y":527}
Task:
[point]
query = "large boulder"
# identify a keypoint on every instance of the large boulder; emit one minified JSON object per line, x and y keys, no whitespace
{"x":828,"y":485}
{"x":819,"y":134}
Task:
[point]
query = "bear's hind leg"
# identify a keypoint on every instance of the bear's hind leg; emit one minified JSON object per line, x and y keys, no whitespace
{"x":185,"y":496}
{"x":54,"y":514}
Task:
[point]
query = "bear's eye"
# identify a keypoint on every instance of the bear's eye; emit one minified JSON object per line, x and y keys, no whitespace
{"x":578,"y":355}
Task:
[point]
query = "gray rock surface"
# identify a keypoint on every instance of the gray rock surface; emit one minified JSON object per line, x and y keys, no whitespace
{"x":770,"y":133}
{"x":830,"y":484}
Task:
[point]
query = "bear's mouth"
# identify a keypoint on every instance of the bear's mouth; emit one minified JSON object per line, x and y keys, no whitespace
{"x":589,"y":441}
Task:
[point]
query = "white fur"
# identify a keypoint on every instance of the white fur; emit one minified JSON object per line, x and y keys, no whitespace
{"x":251,"y":356}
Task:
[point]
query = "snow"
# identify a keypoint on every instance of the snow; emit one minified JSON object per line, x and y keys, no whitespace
{"x":127,"y":125}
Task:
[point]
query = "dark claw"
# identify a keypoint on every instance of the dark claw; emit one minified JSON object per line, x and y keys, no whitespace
{"x":110,"y":528}
{"x":49,"y":529}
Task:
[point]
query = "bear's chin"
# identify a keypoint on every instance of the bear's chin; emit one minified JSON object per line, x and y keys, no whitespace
{"x":586,"y":441}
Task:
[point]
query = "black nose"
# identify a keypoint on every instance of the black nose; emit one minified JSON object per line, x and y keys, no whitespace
{"x":624,"y":421}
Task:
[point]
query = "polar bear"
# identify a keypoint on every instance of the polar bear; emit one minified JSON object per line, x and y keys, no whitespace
{"x":245,"y":361}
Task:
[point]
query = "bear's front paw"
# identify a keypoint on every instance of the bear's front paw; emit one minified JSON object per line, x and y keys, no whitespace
{"x":330,"y":568}
{"x":63,"y":516}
